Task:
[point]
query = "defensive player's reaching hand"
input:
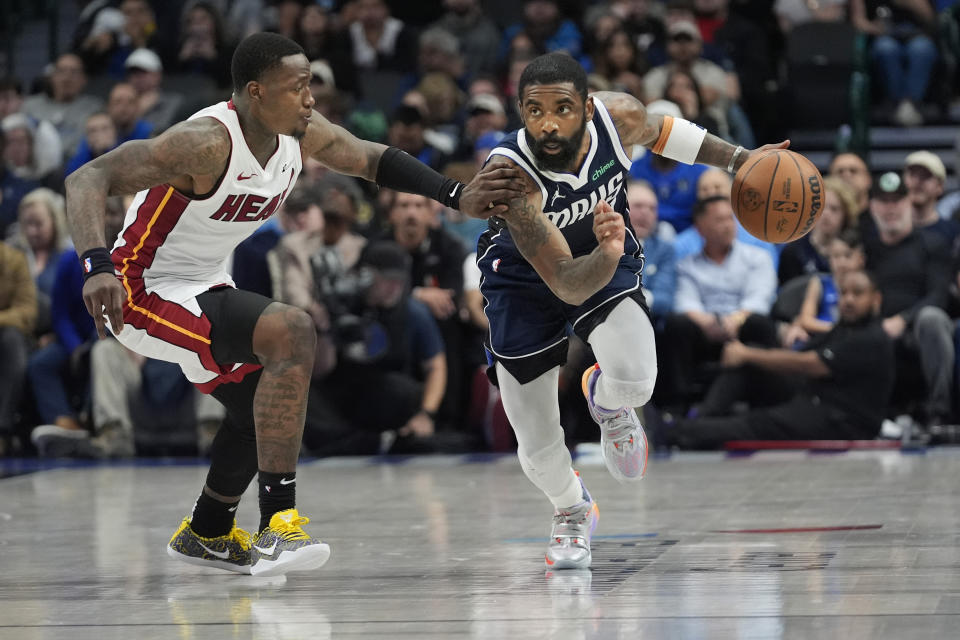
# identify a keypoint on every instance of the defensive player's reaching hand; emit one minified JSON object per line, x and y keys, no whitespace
{"x":102,"y":294}
{"x":496,"y":184}
{"x":609,"y":229}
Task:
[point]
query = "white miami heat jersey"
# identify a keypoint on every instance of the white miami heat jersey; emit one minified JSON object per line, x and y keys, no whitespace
{"x":180,"y":245}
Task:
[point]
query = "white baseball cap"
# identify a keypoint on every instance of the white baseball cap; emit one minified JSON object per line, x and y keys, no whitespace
{"x":143,"y":59}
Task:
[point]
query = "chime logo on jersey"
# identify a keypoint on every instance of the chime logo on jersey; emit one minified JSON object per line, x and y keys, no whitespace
{"x":580,"y":208}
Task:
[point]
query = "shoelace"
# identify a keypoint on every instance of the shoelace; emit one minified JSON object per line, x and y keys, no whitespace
{"x":622,"y":430}
{"x":241,"y":537}
{"x":571,"y":523}
{"x":290,"y":530}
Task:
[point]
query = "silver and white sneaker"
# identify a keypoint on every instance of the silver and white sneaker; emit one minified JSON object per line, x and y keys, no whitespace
{"x":569,"y":546}
{"x":622,"y":439}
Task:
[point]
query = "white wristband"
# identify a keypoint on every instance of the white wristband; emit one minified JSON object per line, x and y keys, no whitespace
{"x":679,"y":140}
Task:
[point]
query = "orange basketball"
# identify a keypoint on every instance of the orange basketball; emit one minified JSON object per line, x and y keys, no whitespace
{"x":777,"y":195}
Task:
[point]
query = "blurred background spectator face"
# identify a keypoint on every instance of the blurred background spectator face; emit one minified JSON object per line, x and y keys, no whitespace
{"x":713,"y":182}
{"x":484,"y":114}
{"x":439,"y":51}
{"x":642,"y":202}
{"x":683,"y":43}
{"x":619,"y":51}
{"x":18,"y":151}
{"x":139,"y":21}
{"x":11,"y":97}
{"x":314,"y":21}
{"x":144,"y":70}
{"x":540,"y":15}
{"x":844,"y":258}
{"x":68,"y":78}
{"x":460,"y":7}
{"x":682,"y":90}
{"x":838,"y":193}
{"x":308,"y":218}
{"x":716,"y":225}
{"x":484,"y":85}
{"x":442,"y":96}
{"x":200,"y":28}
{"x":371,"y":13}
{"x":101,"y":133}
{"x":122,"y":106}
{"x":892,"y":212}
{"x":604,"y":25}
{"x":38,"y":225}
{"x":834,"y":217}
{"x":859,"y":298}
{"x":851,"y":168}
{"x":406,"y":130}
{"x":923,"y":185}
{"x":411,"y":216}
{"x":114,"y":213}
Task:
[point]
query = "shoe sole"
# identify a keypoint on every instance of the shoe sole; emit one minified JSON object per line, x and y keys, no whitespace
{"x":303,"y":559}
{"x":200,"y":562}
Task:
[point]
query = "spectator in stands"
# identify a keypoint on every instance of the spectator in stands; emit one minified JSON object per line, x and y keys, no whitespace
{"x":251,"y":263}
{"x":33,"y":151}
{"x":11,"y":96}
{"x":913,"y":271}
{"x":438,"y":51}
{"x":436,"y":278}
{"x":718,"y":88}
{"x":442,"y":100}
{"x":379,"y":41}
{"x":619,"y":61}
{"x":123,"y":109}
{"x":477,"y":34}
{"x":674,"y":182}
{"x":205,"y":47}
{"x":317,"y":34}
{"x":723,"y":293}
{"x":819,"y":309}
{"x":101,"y":136}
{"x":682,"y":89}
{"x":924,"y":175}
{"x":67,"y":107}
{"x":599,"y":24}
{"x":660,"y":261}
{"x":545,"y":28}
{"x":644,"y":25}
{"x":902,"y":51}
{"x":42,"y":236}
{"x":847,"y":373}
{"x":63,"y":364}
{"x":18,"y":312}
{"x":793,"y":13}
{"x":116,"y":33}
{"x":809,"y":254}
{"x":484,"y":114}
{"x":391,"y":365}
{"x":156,"y":107}
{"x":12,"y":190}
{"x":340,"y":196}
{"x":406,"y":132}
{"x":853,"y":170}
{"x":717,"y":182}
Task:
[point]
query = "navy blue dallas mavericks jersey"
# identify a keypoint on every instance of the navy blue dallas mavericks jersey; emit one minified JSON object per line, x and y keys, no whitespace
{"x":528,"y":323}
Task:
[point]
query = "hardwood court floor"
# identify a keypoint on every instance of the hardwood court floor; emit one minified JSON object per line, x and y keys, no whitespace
{"x":777,"y":545}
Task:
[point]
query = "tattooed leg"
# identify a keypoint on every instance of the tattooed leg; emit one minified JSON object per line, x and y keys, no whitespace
{"x":284,"y":341}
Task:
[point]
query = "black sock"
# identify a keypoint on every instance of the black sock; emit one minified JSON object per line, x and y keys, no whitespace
{"x":212,"y":518}
{"x":278,"y":492}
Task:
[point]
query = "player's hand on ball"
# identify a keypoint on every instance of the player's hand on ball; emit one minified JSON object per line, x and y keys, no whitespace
{"x":767,"y":147}
{"x":103,"y":296}
{"x":608,"y":228}
{"x":496,"y":184}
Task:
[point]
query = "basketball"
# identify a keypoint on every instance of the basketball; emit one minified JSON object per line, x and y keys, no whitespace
{"x":777,"y":195}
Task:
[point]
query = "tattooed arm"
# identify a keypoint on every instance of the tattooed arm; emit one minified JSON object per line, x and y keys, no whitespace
{"x":573,"y":280}
{"x":340,"y":150}
{"x":636,"y":126}
{"x":190,"y":156}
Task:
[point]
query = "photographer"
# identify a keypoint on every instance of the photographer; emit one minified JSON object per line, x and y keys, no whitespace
{"x":391,"y":367}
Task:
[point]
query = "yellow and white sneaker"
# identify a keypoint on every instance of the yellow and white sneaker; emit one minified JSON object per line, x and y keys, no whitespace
{"x":230,"y":552}
{"x":284,"y":546}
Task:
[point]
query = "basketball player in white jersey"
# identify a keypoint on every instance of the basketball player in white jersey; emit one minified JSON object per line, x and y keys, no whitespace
{"x":202,"y":187}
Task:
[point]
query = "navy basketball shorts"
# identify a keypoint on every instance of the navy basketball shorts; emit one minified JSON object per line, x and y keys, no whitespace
{"x":529,"y":324}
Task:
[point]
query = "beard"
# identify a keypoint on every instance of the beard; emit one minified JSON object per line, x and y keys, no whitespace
{"x":562,"y":159}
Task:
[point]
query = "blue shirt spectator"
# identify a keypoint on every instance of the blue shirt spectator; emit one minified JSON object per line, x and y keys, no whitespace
{"x":689,"y":242}
{"x":745,"y":280}
{"x":71,"y":322}
{"x":545,"y":28}
{"x":674,"y":183}
{"x":659,"y":275}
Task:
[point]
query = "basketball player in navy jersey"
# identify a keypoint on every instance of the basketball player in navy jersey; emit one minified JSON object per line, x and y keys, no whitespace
{"x":574,"y":150}
{"x":202,"y":187}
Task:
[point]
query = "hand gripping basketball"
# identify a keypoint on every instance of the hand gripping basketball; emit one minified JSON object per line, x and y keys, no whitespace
{"x":609,"y":229}
{"x":103,"y":295}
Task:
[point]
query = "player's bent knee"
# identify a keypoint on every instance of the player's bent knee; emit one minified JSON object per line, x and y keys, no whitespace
{"x":546,"y":459}
{"x":629,"y":393}
{"x":284,"y":333}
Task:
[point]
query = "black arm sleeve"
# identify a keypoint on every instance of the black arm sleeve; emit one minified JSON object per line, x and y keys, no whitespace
{"x":400,"y":171}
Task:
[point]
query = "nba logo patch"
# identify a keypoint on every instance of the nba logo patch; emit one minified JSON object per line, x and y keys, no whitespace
{"x":496,"y":265}
{"x":87,"y":265}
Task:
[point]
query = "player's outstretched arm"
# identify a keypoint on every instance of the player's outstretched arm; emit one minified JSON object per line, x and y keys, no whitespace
{"x":673,"y":138}
{"x":340,"y":150}
{"x":541,"y":243}
{"x":188,"y":153}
